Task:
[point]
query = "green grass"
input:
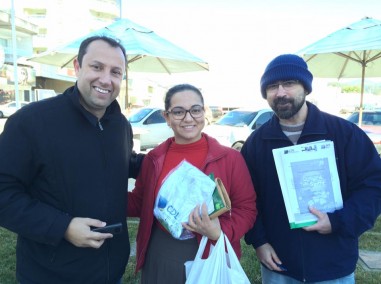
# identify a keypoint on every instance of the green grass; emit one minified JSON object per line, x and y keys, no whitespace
{"x":371,"y":240}
{"x":377,"y":226}
{"x":7,"y":257}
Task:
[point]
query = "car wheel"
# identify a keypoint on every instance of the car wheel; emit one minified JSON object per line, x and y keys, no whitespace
{"x":237,"y":146}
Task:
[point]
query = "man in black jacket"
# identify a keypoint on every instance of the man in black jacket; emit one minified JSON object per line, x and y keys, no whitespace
{"x":64,"y":169}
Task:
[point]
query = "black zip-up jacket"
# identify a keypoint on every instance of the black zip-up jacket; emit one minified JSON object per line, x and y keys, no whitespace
{"x":58,"y":162}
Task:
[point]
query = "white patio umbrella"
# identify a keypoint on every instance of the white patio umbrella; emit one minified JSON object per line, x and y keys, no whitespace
{"x":351,"y":52}
{"x":146,"y":51}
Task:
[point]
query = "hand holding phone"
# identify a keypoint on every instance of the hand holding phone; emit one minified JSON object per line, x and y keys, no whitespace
{"x":112,"y":229}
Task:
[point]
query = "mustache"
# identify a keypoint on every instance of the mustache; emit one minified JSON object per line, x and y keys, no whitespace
{"x":283,"y":100}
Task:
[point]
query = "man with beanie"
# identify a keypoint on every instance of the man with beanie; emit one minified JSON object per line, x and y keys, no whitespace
{"x":327,"y":250}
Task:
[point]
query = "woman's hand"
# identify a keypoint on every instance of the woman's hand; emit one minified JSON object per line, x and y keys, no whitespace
{"x":202,"y":224}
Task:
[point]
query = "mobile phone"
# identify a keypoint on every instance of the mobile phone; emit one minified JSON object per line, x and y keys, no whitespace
{"x":281,"y":266}
{"x":112,"y":229}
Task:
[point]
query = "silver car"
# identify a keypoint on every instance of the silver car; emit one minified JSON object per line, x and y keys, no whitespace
{"x":235,"y":126}
{"x":149,"y":127}
{"x":6,"y":110}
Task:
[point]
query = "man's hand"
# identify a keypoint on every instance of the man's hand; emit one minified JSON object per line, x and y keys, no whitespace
{"x":323,"y":225}
{"x":202,"y":224}
{"x":267,"y":256}
{"x":79,"y":233}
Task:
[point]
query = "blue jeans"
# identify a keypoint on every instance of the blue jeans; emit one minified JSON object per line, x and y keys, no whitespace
{"x":271,"y":277}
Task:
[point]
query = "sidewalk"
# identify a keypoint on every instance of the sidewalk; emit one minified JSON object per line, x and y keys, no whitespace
{"x":370,"y":260}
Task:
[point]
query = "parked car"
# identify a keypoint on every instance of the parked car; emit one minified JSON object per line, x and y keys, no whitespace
{"x":149,"y":127}
{"x":233,"y":128}
{"x":370,"y":123}
{"x":217,"y":112}
{"x":208,"y":115}
{"x":6,"y":110}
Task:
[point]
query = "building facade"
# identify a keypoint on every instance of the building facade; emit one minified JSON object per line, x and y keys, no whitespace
{"x":39,"y":26}
{"x":10,"y":75}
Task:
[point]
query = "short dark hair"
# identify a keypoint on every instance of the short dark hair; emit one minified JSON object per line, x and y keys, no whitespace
{"x":111,"y":41}
{"x":179,"y":88}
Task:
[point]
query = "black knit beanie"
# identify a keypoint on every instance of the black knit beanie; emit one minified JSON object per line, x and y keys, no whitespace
{"x":286,"y":67}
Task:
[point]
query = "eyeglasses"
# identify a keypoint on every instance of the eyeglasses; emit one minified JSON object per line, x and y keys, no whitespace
{"x":286,"y":85}
{"x":179,"y":113}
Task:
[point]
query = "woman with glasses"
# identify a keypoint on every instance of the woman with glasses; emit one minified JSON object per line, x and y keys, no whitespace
{"x":160,"y":256}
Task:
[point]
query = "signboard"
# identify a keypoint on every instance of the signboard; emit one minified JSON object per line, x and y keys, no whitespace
{"x":26,"y":75}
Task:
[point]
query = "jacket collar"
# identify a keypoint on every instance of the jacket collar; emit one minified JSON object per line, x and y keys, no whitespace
{"x":112,"y":110}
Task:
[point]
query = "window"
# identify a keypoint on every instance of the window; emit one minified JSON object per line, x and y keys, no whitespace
{"x":155,"y":117}
{"x":263,"y":118}
{"x":139,"y":115}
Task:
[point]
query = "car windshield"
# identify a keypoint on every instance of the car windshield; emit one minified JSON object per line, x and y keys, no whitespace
{"x":237,"y":118}
{"x":368,"y":118}
{"x":354,"y":117}
{"x":138,"y":116}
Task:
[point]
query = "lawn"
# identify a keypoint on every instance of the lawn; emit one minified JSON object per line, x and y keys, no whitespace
{"x":368,"y":241}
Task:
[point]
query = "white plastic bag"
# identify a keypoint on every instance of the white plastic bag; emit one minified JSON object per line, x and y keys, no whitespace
{"x":184,"y":188}
{"x":219,"y":268}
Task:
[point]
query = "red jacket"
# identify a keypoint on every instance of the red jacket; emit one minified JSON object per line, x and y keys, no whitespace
{"x":223,"y":162}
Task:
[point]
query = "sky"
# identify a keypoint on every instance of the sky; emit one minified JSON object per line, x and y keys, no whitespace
{"x":238,"y":38}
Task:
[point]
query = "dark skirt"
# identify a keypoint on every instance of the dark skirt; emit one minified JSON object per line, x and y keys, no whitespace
{"x":165,"y":258}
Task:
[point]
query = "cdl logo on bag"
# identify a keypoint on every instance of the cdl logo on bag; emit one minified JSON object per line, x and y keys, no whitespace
{"x":172,"y":210}
{"x":162,"y":204}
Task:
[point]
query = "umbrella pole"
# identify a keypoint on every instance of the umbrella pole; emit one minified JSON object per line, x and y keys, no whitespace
{"x":126,"y":105}
{"x":362,"y":91}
